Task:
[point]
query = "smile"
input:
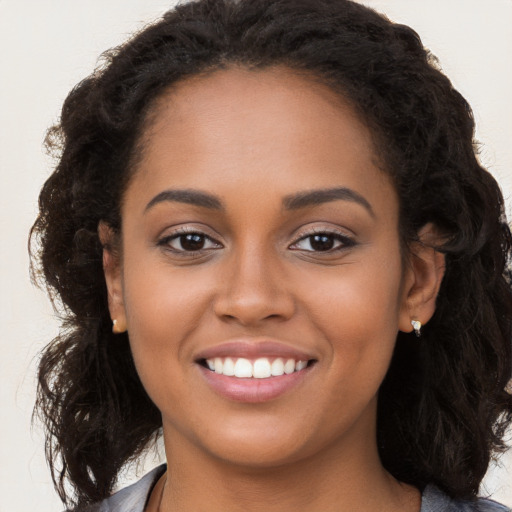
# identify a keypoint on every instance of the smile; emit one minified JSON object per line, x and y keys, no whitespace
{"x":254,"y":371}
{"x":261,"y":368}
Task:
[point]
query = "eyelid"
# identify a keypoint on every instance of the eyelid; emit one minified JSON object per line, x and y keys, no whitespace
{"x":347,"y":240}
{"x":164,"y":240}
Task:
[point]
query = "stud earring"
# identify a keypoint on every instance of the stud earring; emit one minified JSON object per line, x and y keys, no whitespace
{"x":416,"y":325}
{"x":118,"y":327}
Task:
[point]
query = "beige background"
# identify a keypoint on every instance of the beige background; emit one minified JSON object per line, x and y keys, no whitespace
{"x":46,"y":46}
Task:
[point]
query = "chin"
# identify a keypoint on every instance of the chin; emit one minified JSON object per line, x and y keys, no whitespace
{"x":260,"y":454}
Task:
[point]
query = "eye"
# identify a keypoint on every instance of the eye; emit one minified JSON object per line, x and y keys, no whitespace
{"x":189,"y":241}
{"x":323,"y":242}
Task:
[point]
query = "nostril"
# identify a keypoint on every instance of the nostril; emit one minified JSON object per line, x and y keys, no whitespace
{"x":251,"y":301}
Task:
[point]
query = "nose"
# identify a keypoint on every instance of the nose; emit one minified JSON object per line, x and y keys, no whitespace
{"x":253,"y":289}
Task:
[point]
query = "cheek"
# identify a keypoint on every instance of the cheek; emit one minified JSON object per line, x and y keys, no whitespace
{"x":357,"y":296}
{"x":164,"y":307}
{"x":356,"y":309}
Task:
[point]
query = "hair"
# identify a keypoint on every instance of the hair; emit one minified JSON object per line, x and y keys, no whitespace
{"x":443,"y":406}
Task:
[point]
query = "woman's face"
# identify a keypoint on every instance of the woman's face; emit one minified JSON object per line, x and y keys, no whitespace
{"x":258,"y":227}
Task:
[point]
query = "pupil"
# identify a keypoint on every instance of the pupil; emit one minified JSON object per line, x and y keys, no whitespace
{"x":192,"y":242}
{"x":322,"y":242}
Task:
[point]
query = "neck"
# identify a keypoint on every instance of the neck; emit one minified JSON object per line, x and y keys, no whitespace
{"x":343,"y":477}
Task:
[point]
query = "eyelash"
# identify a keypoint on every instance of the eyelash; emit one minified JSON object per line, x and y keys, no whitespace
{"x":345,"y":241}
{"x":178,"y":234}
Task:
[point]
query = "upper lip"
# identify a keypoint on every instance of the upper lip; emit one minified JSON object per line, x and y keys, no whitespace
{"x":253,"y":349}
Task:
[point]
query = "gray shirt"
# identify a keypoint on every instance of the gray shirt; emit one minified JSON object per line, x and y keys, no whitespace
{"x":135,"y":497}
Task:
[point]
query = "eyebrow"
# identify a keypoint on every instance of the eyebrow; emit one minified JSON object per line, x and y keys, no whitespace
{"x":320,"y":196}
{"x":291,"y":202}
{"x":187,"y":196}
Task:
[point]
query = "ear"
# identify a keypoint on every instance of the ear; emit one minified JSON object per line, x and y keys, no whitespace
{"x":113,"y":277}
{"x":422,"y":280}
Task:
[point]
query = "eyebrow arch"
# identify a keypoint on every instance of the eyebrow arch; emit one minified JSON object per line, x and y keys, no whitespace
{"x":320,"y":196}
{"x":187,"y":196}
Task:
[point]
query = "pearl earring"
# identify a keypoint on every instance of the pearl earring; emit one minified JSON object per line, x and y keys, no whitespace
{"x":416,"y":325}
{"x":118,"y":327}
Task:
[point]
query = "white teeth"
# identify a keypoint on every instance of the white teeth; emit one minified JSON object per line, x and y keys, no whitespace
{"x":261,"y":368}
{"x":229,"y":367}
{"x":243,"y":368}
{"x":277,"y":367}
{"x":289,"y":366}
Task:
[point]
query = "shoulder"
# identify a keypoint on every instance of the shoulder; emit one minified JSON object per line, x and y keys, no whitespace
{"x":130,"y":499}
{"x":435,"y":500}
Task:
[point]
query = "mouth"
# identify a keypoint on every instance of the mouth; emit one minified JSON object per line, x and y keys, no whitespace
{"x":260,"y":368}
{"x":254,"y":371}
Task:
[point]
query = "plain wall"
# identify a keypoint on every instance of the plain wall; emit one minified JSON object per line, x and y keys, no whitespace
{"x":46,"y":47}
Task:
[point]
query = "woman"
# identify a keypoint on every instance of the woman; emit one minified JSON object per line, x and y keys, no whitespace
{"x":274,"y":244}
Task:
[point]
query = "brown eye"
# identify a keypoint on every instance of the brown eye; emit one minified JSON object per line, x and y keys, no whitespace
{"x":192,"y":241}
{"x":188,"y":242}
{"x":323,"y":242}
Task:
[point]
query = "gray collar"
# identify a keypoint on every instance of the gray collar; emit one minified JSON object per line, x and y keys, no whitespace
{"x":134,"y":499}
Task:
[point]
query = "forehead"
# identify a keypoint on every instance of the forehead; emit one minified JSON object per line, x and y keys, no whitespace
{"x":237,"y":126}
{"x":221,"y":87}
{"x":256,"y":98}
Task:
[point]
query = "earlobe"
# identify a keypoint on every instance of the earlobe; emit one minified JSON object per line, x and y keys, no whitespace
{"x":113,"y":277}
{"x":425,"y":273}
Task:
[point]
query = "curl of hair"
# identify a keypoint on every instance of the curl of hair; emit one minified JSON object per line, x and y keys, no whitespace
{"x":443,"y":407}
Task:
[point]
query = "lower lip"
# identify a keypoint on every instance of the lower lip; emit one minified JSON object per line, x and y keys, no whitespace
{"x":252,"y":390}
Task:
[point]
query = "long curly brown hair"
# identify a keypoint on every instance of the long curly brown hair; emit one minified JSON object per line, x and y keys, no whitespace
{"x":443,"y":407}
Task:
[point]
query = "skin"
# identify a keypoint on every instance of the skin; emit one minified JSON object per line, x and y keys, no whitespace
{"x":252,"y":139}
